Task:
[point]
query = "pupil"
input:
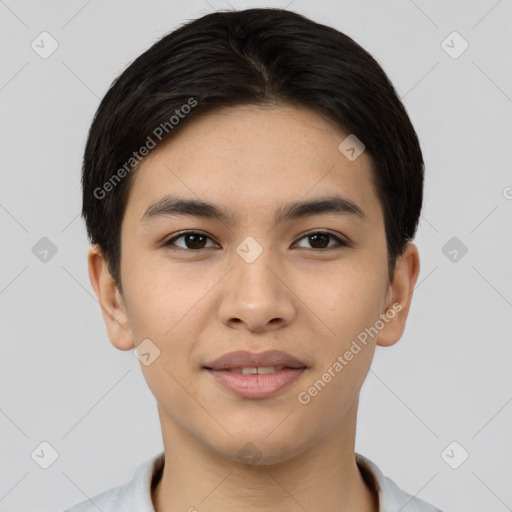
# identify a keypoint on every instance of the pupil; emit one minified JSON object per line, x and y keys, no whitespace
{"x":194,"y":244}
{"x":314,"y":239}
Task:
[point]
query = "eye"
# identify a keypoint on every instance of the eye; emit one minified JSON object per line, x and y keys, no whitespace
{"x":193,"y":240}
{"x":319,"y":239}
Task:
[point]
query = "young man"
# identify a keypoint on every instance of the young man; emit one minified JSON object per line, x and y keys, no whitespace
{"x":251,"y":187}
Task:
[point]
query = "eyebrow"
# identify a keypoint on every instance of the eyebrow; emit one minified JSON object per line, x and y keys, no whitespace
{"x":169,"y":206}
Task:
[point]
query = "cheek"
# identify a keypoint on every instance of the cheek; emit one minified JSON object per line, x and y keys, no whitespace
{"x":165,"y":306}
{"x":159,"y":297}
{"x":346,"y":357}
{"x":345,"y":300}
{"x":348,"y":303}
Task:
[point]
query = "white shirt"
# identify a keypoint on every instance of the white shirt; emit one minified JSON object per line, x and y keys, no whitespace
{"x":135,"y":496}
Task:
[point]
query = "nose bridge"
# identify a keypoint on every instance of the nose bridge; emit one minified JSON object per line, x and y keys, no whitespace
{"x":252,"y":274}
{"x":252,"y":263}
{"x":256,"y":294}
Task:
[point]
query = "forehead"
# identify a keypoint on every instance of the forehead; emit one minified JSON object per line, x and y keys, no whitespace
{"x":254,"y":158}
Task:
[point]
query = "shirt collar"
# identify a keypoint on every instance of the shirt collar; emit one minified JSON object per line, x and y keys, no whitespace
{"x":391,"y":498}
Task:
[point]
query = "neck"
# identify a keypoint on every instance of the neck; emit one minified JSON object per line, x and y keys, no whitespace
{"x":323,"y":477}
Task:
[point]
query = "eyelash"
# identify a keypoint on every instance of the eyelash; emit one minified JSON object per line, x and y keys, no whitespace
{"x":169,"y":243}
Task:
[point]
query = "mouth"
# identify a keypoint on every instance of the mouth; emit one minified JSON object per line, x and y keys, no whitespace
{"x":256,"y":370}
{"x":243,"y":359}
{"x":255,"y":376}
{"x":262,"y":382}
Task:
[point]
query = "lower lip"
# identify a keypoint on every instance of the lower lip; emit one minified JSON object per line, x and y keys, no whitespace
{"x":257,"y":386}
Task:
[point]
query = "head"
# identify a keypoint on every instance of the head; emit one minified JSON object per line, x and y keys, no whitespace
{"x":238,"y":117}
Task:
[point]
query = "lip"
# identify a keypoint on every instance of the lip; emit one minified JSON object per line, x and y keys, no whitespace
{"x":256,"y":386}
{"x":244,"y":359}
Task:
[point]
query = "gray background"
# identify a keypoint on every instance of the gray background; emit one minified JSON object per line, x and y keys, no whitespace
{"x":448,"y":379}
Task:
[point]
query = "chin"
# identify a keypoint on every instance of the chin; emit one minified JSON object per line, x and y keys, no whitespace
{"x":253,"y":450}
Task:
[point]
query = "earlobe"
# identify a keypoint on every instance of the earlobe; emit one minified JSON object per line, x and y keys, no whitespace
{"x":399,"y":296}
{"x":111,"y":302}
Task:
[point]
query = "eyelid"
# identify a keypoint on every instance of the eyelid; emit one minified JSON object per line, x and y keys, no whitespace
{"x":167,"y":241}
{"x":341,"y":241}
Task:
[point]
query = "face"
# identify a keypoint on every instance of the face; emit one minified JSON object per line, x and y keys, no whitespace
{"x":197,"y":286}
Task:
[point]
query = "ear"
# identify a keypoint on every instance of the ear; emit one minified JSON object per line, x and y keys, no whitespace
{"x":111,"y":301}
{"x":399,"y":296}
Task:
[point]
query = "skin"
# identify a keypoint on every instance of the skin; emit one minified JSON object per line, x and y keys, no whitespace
{"x":196,"y":305}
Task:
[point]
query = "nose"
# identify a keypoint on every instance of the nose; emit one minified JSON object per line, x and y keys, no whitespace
{"x":257,"y":295}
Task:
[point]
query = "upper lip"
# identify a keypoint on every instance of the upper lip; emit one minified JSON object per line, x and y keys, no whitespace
{"x":246,"y":359}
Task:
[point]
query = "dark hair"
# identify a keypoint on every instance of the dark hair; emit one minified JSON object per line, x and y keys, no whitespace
{"x":259,"y":57}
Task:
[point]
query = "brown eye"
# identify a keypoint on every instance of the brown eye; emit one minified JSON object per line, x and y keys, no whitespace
{"x":192,"y":240}
{"x":320,"y":240}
